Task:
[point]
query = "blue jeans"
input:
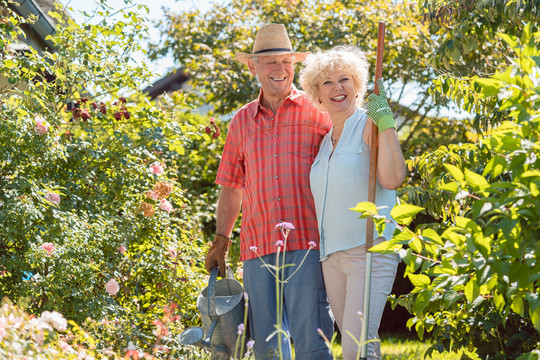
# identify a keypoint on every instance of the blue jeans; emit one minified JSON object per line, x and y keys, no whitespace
{"x":305,"y":307}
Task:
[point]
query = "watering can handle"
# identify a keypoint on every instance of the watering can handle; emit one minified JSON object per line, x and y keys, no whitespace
{"x":212,"y":291}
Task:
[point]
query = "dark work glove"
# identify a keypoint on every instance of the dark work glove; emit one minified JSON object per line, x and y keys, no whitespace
{"x":217,"y":255}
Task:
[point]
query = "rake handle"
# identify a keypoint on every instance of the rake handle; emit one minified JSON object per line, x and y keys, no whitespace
{"x":371,"y":198}
{"x":374,"y":137}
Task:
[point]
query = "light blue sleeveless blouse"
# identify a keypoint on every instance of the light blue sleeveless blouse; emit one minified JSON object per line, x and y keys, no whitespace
{"x":339,"y":181}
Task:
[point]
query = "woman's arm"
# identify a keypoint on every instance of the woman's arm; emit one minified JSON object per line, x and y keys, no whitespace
{"x":391,"y":169}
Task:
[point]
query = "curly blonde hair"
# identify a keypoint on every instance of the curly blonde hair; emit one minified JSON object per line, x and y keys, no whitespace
{"x":347,"y":58}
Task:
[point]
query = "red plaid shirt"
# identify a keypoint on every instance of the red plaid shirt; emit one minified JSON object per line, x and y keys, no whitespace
{"x":269,"y":156}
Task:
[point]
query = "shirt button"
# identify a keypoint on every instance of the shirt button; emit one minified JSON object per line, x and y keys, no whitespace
{"x":275,"y":155}
{"x":278,"y":199}
{"x":276,"y":177}
{"x":276,"y":135}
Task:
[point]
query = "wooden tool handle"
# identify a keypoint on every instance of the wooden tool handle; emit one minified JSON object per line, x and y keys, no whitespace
{"x":374,"y":137}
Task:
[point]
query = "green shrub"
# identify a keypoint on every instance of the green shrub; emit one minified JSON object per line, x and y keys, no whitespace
{"x":475,"y":270}
{"x":89,"y":194}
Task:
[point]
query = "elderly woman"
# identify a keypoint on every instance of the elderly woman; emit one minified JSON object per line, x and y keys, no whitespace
{"x":335,"y":81}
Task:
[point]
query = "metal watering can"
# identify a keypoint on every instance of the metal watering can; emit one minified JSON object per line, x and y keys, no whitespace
{"x":222,"y":310}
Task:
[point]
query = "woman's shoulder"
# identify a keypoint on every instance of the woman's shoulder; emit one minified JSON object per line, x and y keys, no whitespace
{"x":357,"y":120}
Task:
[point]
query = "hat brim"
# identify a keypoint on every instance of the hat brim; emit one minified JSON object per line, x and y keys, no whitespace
{"x":298,"y":56}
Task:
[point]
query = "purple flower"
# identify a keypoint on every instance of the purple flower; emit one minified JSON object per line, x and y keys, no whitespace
{"x":240,"y":329}
{"x":253,"y":248}
{"x":249,"y":346}
{"x":279,"y":243}
{"x":312,"y":244}
{"x":285,"y":226}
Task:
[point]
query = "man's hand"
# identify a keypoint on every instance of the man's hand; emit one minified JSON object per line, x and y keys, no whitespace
{"x":379,"y":111}
{"x":217,"y":255}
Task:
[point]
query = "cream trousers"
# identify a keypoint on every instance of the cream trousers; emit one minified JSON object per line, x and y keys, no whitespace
{"x":344,"y":279}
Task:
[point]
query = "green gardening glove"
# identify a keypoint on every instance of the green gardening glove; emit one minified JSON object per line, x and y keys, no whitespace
{"x":379,"y":111}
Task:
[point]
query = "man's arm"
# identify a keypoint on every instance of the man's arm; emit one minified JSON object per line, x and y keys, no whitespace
{"x":229,"y":204}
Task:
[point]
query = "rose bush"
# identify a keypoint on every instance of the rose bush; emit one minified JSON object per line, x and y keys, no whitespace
{"x":81,"y":149}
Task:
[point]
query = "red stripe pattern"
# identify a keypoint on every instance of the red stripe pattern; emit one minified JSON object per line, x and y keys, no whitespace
{"x":269,"y":156}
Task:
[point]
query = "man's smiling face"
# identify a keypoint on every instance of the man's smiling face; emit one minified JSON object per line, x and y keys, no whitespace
{"x":275,"y":73}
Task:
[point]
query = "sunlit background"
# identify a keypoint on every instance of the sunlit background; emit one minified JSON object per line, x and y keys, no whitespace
{"x":156,"y":11}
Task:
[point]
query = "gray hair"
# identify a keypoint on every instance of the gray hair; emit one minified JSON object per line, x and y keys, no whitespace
{"x":347,"y":58}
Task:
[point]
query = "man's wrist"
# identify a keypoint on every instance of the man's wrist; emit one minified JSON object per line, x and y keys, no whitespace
{"x":222,"y":236}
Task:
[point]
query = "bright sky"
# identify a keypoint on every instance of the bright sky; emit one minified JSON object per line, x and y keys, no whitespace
{"x":155,"y":8}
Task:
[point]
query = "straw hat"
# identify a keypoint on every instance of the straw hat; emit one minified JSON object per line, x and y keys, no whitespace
{"x":271,"y":39}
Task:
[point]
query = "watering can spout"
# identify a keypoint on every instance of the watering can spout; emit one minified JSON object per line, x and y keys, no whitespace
{"x":194,"y":336}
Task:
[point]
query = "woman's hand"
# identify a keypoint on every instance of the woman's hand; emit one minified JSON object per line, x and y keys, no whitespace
{"x":379,"y":111}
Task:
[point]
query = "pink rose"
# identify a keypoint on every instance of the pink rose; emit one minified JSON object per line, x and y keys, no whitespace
{"x":152,"y":195}
{"x":48,"y":247}
{"x":172,"y":253}
{"x":38,"y":336}
{"x":157,"y":168}
{"x":55,"y":319}
{"x":53,"y":198}
{"x":166,"y":206}
{"x":122,"y":249}
{"x":64,"y":345}
{"x":41,"y":127}
{"x":112,"y":287}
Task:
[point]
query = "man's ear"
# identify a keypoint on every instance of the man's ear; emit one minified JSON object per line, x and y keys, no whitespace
{"x":251,"y":66}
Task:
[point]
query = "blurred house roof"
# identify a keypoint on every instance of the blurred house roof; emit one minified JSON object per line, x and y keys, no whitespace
{"x":36,"y":33}
{"x":170,"y":83}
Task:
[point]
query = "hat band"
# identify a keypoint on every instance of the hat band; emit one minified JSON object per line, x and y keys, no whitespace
{"x":269,"y":50}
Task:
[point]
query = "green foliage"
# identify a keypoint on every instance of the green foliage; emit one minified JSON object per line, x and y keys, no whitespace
{"x":79,"y":203}
{"x":475,"y":269}
{"x":205,"y":43}
{"x":197,"y":172}
{"x":393,"y":347}
{"x":465,"y":32}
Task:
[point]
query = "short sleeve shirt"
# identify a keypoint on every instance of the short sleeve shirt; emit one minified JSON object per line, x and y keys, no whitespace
{"x":339,"y":180}
{"x":269,"y":157}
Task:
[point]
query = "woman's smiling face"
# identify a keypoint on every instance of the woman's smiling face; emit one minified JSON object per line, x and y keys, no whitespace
{"x":337,"y":93}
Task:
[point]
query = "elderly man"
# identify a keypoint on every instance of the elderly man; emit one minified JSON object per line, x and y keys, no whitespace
{"x":264,"y":172}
